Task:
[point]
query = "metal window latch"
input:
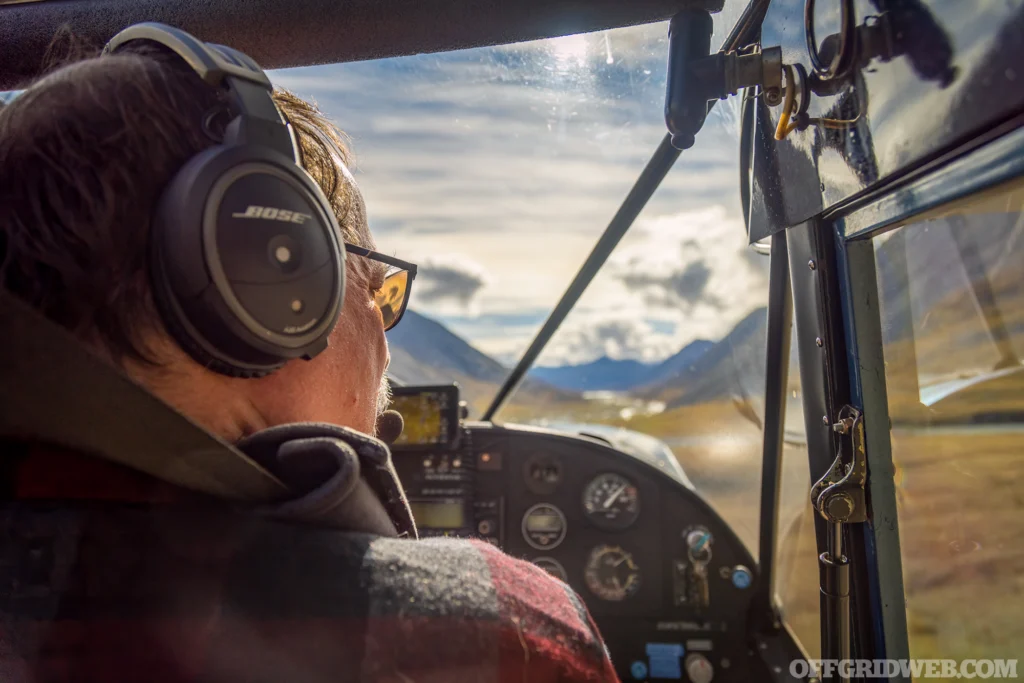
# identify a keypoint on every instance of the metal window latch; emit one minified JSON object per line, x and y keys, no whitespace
{"x":839,"y":497}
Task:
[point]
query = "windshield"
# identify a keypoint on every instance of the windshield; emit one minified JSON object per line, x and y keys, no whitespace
{"x":496,"y":170}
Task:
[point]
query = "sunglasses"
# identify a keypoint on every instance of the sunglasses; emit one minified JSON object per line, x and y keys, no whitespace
{"x":393,"y":296}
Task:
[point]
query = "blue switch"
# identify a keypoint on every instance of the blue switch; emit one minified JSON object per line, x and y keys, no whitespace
{"x":664,"y":659}
{"x":741,"y":577}
{"x":639,"y":670}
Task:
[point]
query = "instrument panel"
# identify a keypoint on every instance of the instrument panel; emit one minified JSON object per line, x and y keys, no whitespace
{"x":666,"y":580}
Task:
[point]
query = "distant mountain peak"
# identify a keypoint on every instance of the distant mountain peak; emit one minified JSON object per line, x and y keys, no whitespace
{"x":703,"y":370}
{"x":424,"y":351}
{"x":426,"y":342}
{"x":611,"y":374}
{"x":599,"y":362}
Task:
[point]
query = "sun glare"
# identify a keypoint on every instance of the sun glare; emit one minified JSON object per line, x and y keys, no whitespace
{"x":570,"y":50}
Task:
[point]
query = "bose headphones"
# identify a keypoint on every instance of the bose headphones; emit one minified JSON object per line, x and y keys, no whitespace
{"x":247,"y":265}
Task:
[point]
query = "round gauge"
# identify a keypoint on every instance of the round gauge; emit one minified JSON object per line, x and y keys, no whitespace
{"x":611,"y":573}
{"x":543,"y":526}
{"x":611,"y":501}
{"x":553,"y":567}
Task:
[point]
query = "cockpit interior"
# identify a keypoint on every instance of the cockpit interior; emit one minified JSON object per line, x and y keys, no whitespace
{"x":714,"y":317}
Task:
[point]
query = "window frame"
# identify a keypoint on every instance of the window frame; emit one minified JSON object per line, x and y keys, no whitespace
{"x":843,"y":303}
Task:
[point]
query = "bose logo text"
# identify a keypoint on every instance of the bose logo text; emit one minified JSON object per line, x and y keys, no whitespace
{"x":272,"y":214}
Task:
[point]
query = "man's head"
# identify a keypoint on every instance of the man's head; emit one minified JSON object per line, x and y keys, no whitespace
{"x":85,"y":154}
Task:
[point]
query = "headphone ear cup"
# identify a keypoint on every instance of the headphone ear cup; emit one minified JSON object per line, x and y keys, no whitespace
{"x":175,"y":323}
{"x":246,"y":261}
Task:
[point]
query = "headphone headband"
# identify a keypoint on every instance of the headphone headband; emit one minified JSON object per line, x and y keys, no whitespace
{"x":213,"y":63}
{"x":259,"y":121}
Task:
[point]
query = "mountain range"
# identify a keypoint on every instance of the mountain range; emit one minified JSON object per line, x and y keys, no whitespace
{"x":423,"y":351}
{"x":732,"y":367}
{"x":702,"y":370}
{"x":608,"y":374}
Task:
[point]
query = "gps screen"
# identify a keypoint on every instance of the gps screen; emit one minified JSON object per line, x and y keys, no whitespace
{"x":428,"y":417}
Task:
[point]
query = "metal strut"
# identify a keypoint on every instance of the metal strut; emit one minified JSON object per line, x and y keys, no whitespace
{"x":839,"y":497}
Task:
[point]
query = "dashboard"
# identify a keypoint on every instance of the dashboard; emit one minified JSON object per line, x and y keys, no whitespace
{"x":667,"y":581}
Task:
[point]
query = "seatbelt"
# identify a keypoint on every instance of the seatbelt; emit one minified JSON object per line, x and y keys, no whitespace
{"x":54,"y":390}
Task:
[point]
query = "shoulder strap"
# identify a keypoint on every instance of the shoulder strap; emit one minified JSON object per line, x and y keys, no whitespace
{"x":54,"y":390}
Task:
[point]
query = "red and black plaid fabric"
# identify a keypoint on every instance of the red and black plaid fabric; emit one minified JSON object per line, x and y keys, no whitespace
{"x":107,"y":575}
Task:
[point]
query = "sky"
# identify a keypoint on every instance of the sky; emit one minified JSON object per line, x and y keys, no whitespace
{"x":496,"y":170}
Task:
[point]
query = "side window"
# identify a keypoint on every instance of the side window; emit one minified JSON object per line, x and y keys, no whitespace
{"x":796,"y":554}
{"x":952,"y":305}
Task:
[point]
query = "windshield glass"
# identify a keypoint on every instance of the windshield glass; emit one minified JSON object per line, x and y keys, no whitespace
{"x":496,"y":169}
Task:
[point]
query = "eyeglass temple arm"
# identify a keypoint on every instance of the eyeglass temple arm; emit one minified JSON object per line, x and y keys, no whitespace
{"x":383,"y":258}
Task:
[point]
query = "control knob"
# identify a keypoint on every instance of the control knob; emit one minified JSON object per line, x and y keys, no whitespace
{"x":699,"y":669}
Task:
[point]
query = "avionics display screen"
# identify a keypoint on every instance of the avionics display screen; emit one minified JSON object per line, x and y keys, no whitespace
{"x":430,"y":414}
{"x":439,"y":514}
{"x":541,"y":522}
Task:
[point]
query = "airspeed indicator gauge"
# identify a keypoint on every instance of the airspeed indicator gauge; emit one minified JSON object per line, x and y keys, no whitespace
{"x":611,"y":501}
{"x":611,"y":573}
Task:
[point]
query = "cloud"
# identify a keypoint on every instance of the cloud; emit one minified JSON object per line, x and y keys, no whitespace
{"x":514,"y":138}
{"x":588,"y":336}
{"x":685,"y":286}
{"x":497,"y":169}
{"x":447,"y":281}
{"x":696,"y":263}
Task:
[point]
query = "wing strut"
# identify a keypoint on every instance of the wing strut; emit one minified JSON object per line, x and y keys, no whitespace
{"x":645,"y":186}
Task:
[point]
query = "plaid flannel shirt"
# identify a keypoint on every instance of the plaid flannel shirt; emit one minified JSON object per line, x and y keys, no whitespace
{"x":108,"y":575}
